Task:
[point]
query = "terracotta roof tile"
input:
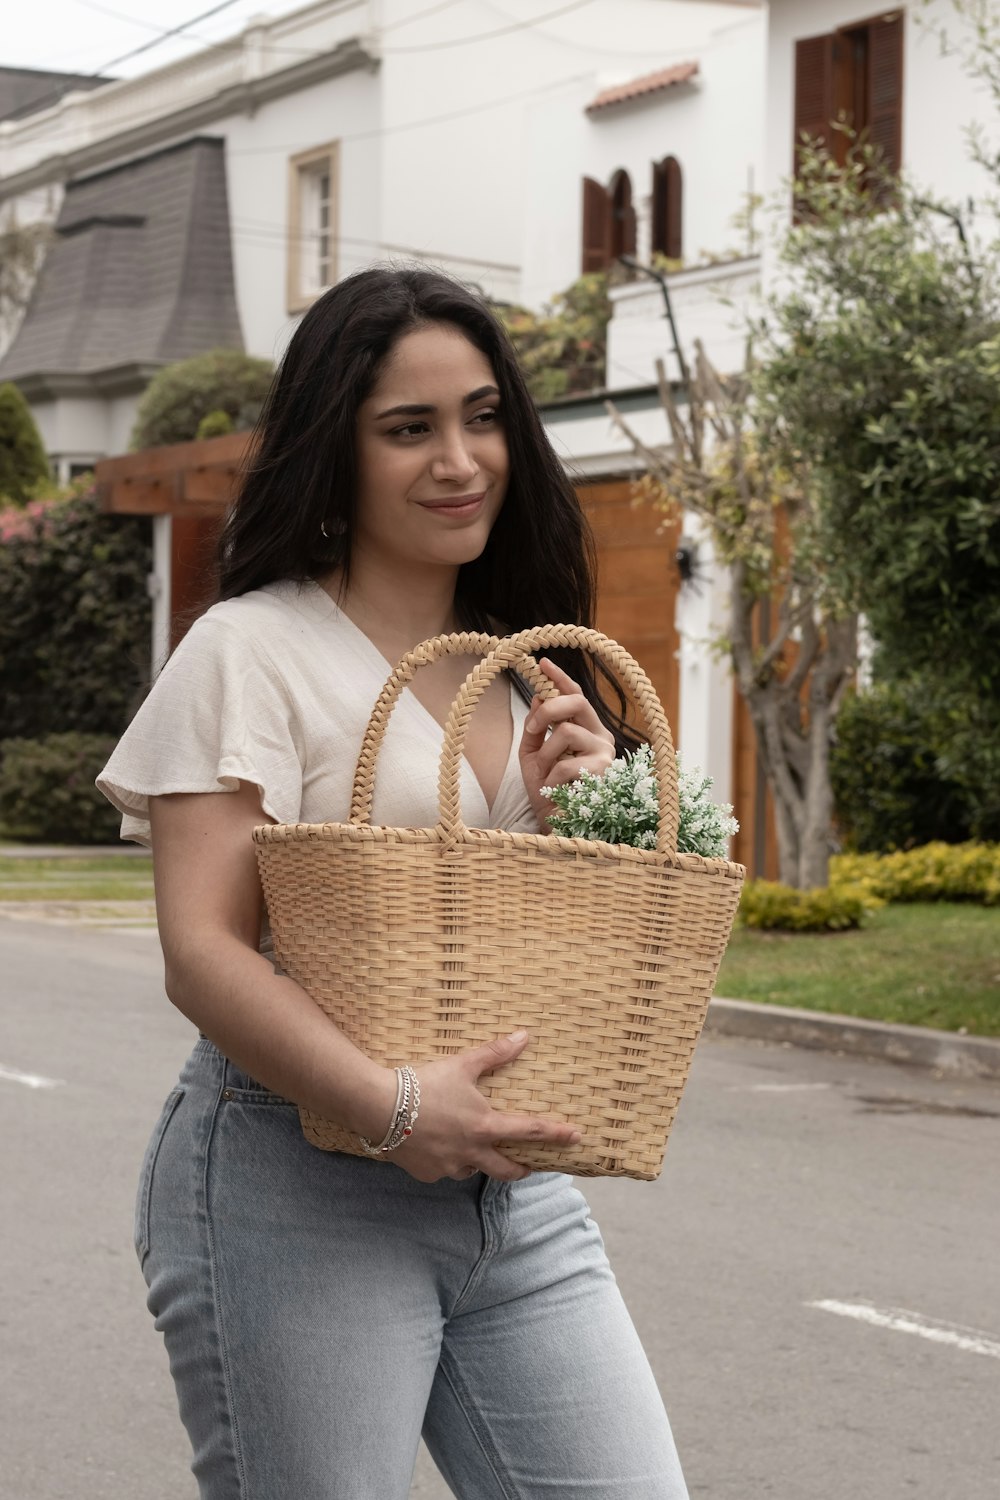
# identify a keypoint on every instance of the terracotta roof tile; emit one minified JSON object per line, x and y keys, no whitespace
{"x":649,"y":83}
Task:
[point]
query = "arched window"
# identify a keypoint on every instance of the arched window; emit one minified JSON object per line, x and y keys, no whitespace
{"x":622,"y":215}
{"x":668,"y":189}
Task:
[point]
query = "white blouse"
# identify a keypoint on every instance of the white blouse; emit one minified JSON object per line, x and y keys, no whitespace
{"x":275,"y":688}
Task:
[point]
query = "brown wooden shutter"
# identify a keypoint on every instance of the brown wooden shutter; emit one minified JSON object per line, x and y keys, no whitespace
{"x":668,"y":189}
{"x":623,"y":216}
{"x":596,"y":227}
{"x":885,"y":88}
{"x":814,"y":108}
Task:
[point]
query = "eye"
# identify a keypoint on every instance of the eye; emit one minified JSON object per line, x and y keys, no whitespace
{"x":409,"y":430}
{"x":485,"y":418}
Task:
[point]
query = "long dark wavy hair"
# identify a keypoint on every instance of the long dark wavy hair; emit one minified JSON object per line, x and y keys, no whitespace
{"x":539,"y":564}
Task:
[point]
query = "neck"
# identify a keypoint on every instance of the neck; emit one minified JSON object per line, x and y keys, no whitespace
{"x":396,"y":612}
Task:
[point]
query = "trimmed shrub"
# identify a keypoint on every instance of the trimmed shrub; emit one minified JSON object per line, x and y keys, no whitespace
{"x":768,"y":906}
{"x":47,"y":791}
{"x":74,"y":618}
{"x":889,"y":786}
{"x":181,"y":396}
{"x":215,"y":424}
{"x":934,"y":872}
{"x":24,"y":464}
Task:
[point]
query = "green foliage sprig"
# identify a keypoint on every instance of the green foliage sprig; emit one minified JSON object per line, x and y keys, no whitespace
{"x":563,"y":348}
{"x":621,"y":807}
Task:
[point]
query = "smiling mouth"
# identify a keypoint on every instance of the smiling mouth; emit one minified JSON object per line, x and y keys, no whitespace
{"x":457,"y":505}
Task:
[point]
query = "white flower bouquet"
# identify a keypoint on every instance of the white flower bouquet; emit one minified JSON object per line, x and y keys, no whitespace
{"x":620,"y":807}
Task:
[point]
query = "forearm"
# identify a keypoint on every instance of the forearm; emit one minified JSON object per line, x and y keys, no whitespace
{"x":274,"y":1032}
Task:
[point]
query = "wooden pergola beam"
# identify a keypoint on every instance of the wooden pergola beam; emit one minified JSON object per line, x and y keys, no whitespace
{"x":184,"y":479}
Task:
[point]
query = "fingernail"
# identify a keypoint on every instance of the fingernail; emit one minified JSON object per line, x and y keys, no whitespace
{"x":531,"y":725}
{"x":575,"y":1138}
{"x":518,"y":1036}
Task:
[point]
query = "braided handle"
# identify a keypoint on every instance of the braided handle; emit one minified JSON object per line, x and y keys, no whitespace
{"x":510,"y":653}
{"x":463,"y":644}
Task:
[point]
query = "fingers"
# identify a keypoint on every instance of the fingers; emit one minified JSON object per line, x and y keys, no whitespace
{"x":570,"y":703}
{"x":573,"y":743}
{"x":495,"y":1054}
{"x":534,"y":1129}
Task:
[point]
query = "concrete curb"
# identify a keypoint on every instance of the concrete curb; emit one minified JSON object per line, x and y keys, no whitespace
{"x":918,"y":1046}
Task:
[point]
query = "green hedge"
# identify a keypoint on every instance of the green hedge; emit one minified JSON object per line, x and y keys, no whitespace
{"x":768,"y":906}
{"x":47,"y":792}
{"x":890,"y":788}
{"x":183,"y":395}
{"x":74,"y":618}
{"x":23,"y":461}
{"x":934,"y":872}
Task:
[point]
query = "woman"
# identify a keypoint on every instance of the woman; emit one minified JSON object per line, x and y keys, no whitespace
{"x":321,"y":1310}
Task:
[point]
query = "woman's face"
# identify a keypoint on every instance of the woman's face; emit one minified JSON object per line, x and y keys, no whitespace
{"x":431,"y":452}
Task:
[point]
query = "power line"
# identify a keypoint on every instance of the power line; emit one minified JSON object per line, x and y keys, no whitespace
{"x":488,"y":36}
{"x":98,"y":74}
{"x":454,"y":114}
{"x":164,"y":36}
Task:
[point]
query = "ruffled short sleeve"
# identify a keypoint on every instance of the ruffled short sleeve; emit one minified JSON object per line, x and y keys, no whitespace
{"x":218,"y":714}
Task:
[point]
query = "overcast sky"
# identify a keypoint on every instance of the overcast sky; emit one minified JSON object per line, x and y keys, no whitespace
{"x":83,"y":36}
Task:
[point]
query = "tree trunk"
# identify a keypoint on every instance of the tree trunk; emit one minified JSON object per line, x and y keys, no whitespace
{"x":792,"y":709}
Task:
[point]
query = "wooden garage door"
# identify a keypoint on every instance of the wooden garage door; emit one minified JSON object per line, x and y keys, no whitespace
{"x":637,"y":584}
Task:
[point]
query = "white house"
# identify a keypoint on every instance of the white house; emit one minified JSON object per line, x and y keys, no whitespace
{"x":886,"y":73}
{"x":516,"y":144}
{"x":356,"y":129}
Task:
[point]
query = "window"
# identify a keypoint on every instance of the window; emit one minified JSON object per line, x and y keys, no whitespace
{"x":668,"y":186}
{"x":855,"y":73}
{"x":312,"y":225}
{"x":609,"y":226}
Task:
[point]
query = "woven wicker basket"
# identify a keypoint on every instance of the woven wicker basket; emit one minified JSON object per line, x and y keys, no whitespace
{"x":420,"y":942}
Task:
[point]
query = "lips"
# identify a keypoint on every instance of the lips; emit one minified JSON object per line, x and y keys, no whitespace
{"x":456,"y":505}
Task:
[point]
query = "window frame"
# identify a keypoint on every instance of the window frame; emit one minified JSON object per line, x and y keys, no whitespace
{"x":301,"y":166}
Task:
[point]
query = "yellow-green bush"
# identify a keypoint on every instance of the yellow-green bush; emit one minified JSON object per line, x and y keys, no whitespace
{"x":766,"y":905}
{"x":931,"y":872}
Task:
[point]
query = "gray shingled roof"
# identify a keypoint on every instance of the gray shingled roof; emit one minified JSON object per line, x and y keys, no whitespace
{"x":23,"y":91}
{"x":139,"y":271}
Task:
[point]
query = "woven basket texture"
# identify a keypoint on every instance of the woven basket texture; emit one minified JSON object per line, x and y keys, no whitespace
{"x":424,"y":942}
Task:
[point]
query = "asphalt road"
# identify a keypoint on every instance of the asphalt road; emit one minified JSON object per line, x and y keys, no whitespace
{"x":816,"y":1275}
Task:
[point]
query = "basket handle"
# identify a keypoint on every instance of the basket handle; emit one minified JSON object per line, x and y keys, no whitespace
{"x":510,"y":653}
{"x":466,"y":643}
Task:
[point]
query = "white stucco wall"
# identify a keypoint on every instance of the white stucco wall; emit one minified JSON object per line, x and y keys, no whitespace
{"x":502,"y":182}
{"x":939,"y":99}
{"x":710,"y":304}
{"x":714,"y":126}
{"x":258,"y":151}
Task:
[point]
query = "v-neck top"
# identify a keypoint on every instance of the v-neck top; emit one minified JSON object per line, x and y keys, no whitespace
{"x":275,"y":688}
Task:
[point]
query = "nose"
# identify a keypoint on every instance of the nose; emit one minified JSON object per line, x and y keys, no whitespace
{"x":453,"y":463}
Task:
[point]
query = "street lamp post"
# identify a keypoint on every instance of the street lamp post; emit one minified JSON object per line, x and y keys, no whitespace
{"x":637,"y":265}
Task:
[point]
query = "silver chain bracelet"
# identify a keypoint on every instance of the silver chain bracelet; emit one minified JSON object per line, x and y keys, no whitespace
{"x":404,"y":1116}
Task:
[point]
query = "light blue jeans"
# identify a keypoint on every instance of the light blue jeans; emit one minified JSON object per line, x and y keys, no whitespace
{"x":320,"y":1311}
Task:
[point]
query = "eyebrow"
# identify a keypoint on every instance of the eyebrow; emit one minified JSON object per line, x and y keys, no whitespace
{"x":422,"y":411}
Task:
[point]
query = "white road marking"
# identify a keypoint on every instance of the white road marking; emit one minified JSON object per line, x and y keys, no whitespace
{"x":776,"y":1088}
{"x":30,"y":1080}
{"x":901,"y":1320}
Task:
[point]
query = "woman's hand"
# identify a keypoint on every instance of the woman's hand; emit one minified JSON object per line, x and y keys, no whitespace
{"x":578,"y":742}
{"x":457,"y":1131}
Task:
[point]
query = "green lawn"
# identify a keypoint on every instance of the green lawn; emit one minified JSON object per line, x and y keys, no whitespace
{"x":933,"y":964}
{"x":103,"y":878}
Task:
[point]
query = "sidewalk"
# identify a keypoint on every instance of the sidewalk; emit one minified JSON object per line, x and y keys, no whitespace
{"x":69,"y":851}
{"x":917,"y":1046}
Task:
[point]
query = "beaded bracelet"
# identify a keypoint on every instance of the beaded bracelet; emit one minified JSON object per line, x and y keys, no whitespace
{"x":404,"y":1116}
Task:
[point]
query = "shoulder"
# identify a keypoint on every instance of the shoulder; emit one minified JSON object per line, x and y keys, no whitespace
{"x":261,"y":623}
